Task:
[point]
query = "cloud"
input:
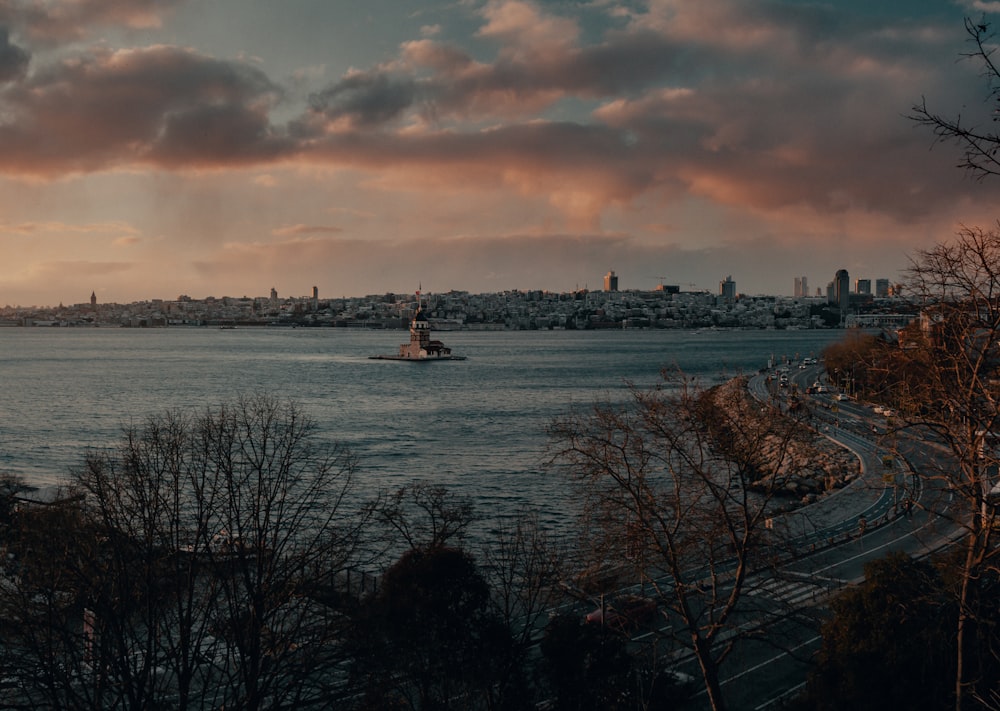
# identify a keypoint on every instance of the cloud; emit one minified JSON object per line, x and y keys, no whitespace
{"x":64,"y":228}
{"x":525,"y":31}
{"x":13,"y":59}
{"x":57,"y":269}
{"x":295,"y":230}
{"x":60,"y":22}
{"x":765,"y":108}
{"x":160,"y":106}
{"x":364,"y":99}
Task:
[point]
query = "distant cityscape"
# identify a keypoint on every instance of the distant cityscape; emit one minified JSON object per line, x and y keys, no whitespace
{"x":666,"y":306}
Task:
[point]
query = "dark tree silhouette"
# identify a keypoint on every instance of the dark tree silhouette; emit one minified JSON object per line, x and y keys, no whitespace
{"x":889,"y":643}
{"x":185,"y":574}
{"x":428,"y":639}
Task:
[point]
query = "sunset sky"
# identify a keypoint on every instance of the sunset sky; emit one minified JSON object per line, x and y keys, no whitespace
{"x":152,"y":148}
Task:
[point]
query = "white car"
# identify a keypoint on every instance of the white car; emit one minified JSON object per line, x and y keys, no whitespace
{"x":879,"y":410}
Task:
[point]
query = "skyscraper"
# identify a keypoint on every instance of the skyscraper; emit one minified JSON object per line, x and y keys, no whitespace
{"x":727,"y":289}
{"x":610,"y":282}
{"x":882,"y":288}
{"x":842,"y":290}
{"x":863,"y":286}
{"x":801,"y":287}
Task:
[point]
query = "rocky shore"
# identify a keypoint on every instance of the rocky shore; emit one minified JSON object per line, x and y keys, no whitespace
{"x":806,"y":468}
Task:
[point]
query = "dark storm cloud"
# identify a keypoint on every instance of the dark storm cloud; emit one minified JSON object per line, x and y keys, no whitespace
{"x":766,"y":106}
{"x":13,"y":59}
{"x":159,"y":105}
{"x":366,"y":99}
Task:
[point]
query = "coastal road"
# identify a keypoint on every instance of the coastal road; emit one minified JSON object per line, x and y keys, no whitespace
{"x":833,"y":539}
{"x":860,"y":523}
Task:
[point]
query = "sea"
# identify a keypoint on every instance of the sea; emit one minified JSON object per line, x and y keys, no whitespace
{"x":477,"y":427}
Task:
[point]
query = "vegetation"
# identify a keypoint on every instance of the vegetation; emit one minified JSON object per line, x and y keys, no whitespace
{"x":943,"y":376}
{"x":186,"y":569}
{"x":212,"y":560}
{"x":980,"y":144}
{"x":888,"y":643}
{"x":678,"y":499}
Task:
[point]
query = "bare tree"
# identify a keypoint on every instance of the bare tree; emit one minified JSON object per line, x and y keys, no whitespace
{"x":980,"y":144}
{"x":950,"y":393}
{"x":210,"y":538}
{"x":678,"y":486}
{"x":524,"y":572}
{"x":423,"y":515}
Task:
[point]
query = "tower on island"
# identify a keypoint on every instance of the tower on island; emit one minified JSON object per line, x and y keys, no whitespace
{"x":93,"y":300}
{"x":420,"y":338}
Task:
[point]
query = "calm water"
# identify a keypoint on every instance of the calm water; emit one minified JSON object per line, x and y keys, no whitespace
{"x":476,"y":426}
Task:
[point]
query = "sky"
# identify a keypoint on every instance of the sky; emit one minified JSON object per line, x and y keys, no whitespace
{"x":154,"y":148}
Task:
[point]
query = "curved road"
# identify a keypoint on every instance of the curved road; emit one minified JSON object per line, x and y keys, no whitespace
{"x":833,"y":539}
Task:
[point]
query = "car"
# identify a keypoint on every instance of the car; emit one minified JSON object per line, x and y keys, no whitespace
{"x":667,"y":688}
{"x":843,"y":396}
{"x":888,"y":412}
{"x":624,"y":614}
{"x":879,"y":410}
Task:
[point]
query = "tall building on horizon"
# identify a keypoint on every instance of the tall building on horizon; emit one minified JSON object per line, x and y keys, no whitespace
{"x":610,"y":281}
{"x":727,"y":289}
{"x":863,"y":286}
{"x":842,"y":290}
{"x":882,"y":288}
{"x":801,"y":287}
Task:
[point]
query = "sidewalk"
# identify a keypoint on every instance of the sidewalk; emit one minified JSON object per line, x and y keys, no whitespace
{"x":860,"y":507}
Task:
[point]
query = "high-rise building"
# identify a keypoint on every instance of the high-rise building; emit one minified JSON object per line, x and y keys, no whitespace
{"x":801,"y":287}
{"x":610,"y":282}
{"x":882,"y":288}
{"x":797,"y":291}
{"x":863,"y":286}
{"x":842,"y":290}
{"x":727,"y":289}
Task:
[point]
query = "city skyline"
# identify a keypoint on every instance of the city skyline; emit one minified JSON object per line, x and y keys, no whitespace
{"x":727,"y":287}
{"x":181,"y":147}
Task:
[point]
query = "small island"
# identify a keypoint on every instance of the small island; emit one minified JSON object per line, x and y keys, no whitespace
{"x":421,"y":348}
